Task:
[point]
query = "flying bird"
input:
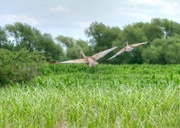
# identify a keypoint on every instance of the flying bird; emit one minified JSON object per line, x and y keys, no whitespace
{"x":89,"y":60}
{"x":127,"y":48}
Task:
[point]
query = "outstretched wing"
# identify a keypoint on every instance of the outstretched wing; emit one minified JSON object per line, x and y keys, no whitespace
{"x":103,"y":53}
{"x":73,"y":61}
{"x":121,"y":51}
{"x":137,"y":44}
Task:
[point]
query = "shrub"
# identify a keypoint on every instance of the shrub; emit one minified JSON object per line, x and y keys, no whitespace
{"x":19,"y":66}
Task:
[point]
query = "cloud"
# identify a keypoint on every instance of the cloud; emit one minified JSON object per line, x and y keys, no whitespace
{"x":60,"y":9}
{"x":82,"y":24}
{"x":157,"y":6}
{"x":10,"y":18}
{"x":72,"y":17}
{"x":149,"y":2}
{"x":145,"y":10}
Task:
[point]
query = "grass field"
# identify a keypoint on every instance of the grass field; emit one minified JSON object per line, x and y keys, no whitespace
{"x":106,"y":96}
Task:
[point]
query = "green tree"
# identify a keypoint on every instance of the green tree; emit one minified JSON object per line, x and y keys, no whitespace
{"x":155,"y":53}
{"x":4,"y":42}
{"x":163,"y":51}
{"x":173,"y":50}
{"x":102,"y":36}
{"x":170,"y":28}
{"x":50,"y":49}
{"x":152,"y":31}
{"x":3,"y":37}
{"x":24,"y":36}
{"x":132,"y":34}
{"x":72,"y":47}
{"x":65,"y":41}
{"x":83,"y":45}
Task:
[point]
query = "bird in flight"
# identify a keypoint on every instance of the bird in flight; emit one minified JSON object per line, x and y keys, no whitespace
{"x":89,"y":60}
{"x":127,"y":48}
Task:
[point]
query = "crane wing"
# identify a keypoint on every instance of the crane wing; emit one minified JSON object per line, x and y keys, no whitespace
{"x":103,"y":53}
{"x":73,"y":61}
{"x":120,"y":51}
{"x":137,"y":44}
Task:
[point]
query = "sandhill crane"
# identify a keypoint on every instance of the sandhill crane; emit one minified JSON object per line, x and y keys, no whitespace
{"x":127,"y":48}
{"x":89,"y":60}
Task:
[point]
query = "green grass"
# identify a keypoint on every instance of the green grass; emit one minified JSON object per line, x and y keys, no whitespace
{"x":104,"y":97}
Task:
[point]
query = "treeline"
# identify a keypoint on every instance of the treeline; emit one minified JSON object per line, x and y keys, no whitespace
{"x":163,"y":34}
{"x":24,"y":49}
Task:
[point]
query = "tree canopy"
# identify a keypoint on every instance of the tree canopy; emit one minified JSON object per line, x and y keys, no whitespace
{"x":163,"y":48}
{"x":18,"y":36}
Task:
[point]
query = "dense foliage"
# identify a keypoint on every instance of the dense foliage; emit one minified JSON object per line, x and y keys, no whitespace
{"x":19,"y":66}
{"x":164,"y":37}
{"x":17,"y":36}
{"x":163,"y":34}
{"x":102,"y":96}
{"x":163,"y":48}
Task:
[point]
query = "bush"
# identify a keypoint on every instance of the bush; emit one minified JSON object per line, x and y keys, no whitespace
{"x":19,"y":66}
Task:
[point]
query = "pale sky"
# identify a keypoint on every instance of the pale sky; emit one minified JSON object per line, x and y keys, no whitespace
{"x":71,"y":17}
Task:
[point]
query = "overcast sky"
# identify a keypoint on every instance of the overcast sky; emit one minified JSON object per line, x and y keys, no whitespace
{"x":72,"y":17}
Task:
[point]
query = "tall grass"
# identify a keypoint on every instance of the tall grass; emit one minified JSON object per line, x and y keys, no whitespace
{"x":129,"y":96}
